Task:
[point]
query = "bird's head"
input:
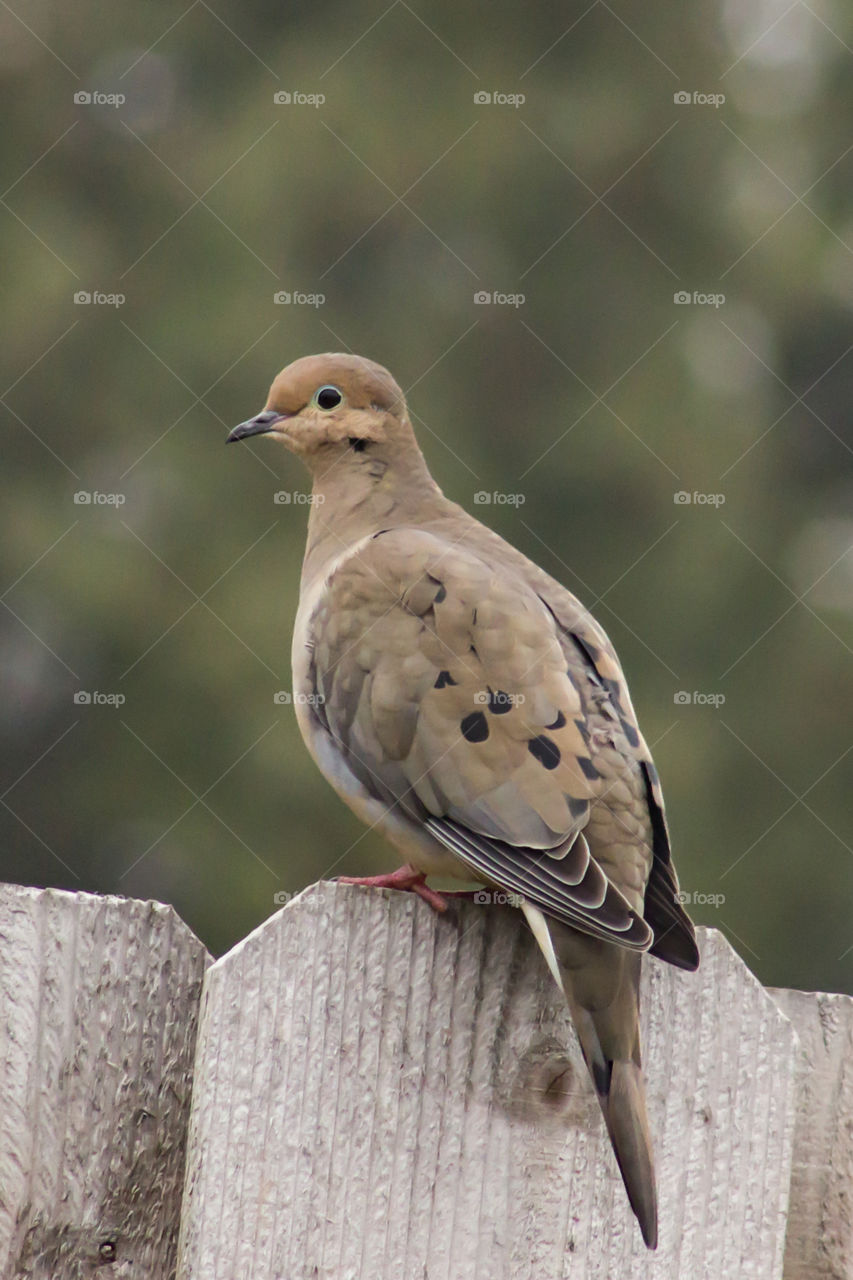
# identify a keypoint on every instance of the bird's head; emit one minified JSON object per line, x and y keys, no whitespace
{"x":328,"y":406}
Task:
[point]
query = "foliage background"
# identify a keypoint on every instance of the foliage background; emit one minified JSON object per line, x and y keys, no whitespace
{"x":596,"y":400}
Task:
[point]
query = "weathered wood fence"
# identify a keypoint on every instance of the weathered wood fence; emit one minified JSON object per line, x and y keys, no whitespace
{"x":359,"y":1091}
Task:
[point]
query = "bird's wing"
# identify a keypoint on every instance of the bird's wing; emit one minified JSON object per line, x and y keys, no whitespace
{"x":596,"y":670}
{"x":444,"y":681}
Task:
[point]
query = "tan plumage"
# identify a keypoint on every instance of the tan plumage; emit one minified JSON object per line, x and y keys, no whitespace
{"x":466,"y":703}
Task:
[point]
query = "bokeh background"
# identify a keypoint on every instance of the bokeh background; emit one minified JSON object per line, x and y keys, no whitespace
{"x":659,"y":150}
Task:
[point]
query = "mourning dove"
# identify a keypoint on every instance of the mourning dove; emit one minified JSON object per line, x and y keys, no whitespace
{"x":466,"y":704}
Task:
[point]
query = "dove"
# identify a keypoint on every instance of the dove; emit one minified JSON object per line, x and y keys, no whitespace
{"x":467,"y":705}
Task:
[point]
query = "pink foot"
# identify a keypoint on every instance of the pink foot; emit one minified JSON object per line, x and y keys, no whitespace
{"x":407,"y":878}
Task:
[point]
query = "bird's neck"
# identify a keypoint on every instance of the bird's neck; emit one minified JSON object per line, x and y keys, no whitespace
{"x":352,"y":500}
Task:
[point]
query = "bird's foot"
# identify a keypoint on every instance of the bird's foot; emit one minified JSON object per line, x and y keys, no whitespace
{"x":407,"y":878}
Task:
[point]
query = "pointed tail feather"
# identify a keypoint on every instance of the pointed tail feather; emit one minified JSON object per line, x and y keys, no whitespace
{"x":601,"y":983}
{"x":628,"y":1126}
{"x":622,"y":1098}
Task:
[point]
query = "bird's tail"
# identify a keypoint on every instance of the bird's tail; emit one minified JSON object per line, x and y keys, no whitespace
{"x":621,"y":1095}
{"x":601,"y":982}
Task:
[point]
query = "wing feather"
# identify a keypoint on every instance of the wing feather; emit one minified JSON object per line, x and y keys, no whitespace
{"x":456,"y":693}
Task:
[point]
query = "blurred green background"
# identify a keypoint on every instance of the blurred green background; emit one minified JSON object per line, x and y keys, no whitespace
{"x":586,"y":391}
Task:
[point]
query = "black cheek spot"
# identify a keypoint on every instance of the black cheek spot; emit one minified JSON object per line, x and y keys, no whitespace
{"x":444,"y":679}
{"x":558,"y":723}
{"x":499,"y":702}
{"x":588,"y":768}
{"x":474,"y":727}
{"x":545,"y":751}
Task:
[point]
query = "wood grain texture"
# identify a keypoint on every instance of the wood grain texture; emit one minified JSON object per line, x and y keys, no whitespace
{"x":99,"y":1000}
{"x":819,"y":1244}
{"x":374,"y":1098}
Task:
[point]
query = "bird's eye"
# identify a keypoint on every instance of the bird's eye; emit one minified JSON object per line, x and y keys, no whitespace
{"x":327,"y":397}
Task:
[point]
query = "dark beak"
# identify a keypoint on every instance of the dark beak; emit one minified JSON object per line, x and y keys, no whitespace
{"x":257,"y":426}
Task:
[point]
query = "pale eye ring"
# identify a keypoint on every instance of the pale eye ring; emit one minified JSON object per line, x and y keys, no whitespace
{"x":327,"y":397}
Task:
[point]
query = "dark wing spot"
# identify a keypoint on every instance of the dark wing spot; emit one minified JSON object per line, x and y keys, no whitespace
{"x":499,"y":702}
{"x":444,"y":679}
{"x":590,"y":652}
{"x":545,"y":751}
{"x":652,"y":773}
{"x":474,"y":727}
{"x":588,"y":768}
{"x":630,"y":733}
{"x":441,"y":594}
{"x":580,"y":725}
{"x":577,"y":808}
{"x":558,"y":723}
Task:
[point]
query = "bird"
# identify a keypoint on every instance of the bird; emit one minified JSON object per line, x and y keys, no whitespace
{"x":467,"y":705}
